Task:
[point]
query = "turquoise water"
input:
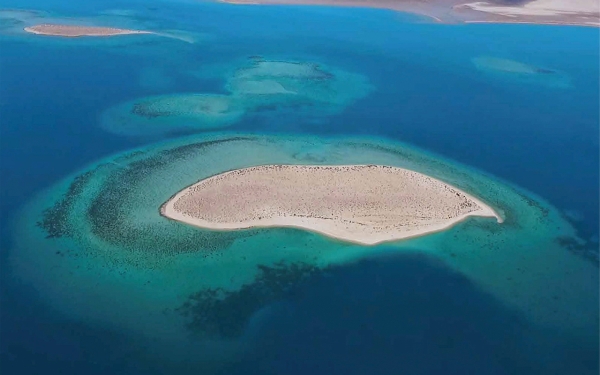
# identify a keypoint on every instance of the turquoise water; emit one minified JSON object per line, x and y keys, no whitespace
{"x":477,"y":298}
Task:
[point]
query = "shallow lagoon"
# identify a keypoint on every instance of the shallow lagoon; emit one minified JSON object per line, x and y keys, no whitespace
{"x":427,"y":93}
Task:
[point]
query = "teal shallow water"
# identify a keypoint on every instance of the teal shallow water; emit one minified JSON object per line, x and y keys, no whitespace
{"x":256,"y":85}
{"x":109,"y":243}
{"x":124,"y":268}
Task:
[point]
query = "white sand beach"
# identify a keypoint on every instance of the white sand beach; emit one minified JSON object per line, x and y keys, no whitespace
{"x":365,"y":204}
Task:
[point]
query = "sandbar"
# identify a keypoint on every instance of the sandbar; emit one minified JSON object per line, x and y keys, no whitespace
{"x":508,"y":66}
{"x":365,"y":204}
{"x":72,"y":31}
{"x":550,"y":12}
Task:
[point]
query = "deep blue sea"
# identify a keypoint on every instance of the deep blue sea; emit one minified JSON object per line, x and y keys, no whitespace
{"x":405,"y":314}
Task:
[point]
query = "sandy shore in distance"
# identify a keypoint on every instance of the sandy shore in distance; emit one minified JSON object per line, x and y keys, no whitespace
{"x":551,"y":12}
{"x":77,"y":31}
{"x":366,"y":204}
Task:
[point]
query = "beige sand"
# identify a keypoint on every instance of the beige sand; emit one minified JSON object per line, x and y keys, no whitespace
{"x":551,"y":12}
{"x":540,"y":7}
{"x":366,"y":204}
{"x":78,"y":31}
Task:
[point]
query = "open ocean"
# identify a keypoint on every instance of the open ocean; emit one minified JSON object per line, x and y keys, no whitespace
{"x":396,"y":314}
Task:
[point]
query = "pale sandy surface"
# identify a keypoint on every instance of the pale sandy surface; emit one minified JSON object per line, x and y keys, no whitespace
{"x":78,"y":31}
{"x":561,"y":12}
{"x":540,"y":7}
{"x":584,"y":12}
{"x":366,"y":204}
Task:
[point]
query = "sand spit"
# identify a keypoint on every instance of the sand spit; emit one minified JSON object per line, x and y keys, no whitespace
{"x":548,"y":12}
{"x":72,"y":31}
{"x":365,"y":204}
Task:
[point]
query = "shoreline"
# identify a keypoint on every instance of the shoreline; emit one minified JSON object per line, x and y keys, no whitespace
{"x":536,"y":12}
{"x":542,"y":23}
{"x":328,"y":234}
{"x":323,"y":226}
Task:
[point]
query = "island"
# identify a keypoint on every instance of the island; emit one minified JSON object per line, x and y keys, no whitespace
{"x":551,"y":12}
{"x":364,"y":204}
{"x":103,"y":236}
{"x":80,"y":31}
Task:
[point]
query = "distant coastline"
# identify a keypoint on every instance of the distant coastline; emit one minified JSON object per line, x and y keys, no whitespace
{"x":73,"y":31}
{"x":543,"y":12}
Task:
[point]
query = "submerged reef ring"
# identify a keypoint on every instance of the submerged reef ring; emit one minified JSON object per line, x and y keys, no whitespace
{"x":282,"y":69}
{"x":293,"y":83}
{"x":508,"y":66}
{"x":260,"y":86}
{"x":98,"y":237}
{"x":496,"y":67}
{"x":166,"y":114}
{"x":79,"y":31}
{"x":366,"y":204}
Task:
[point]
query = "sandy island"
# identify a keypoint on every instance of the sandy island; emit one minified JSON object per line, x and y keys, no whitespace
{"x":366,"y":204}
{"x":78,"y":31}
{"x":551,"y":12}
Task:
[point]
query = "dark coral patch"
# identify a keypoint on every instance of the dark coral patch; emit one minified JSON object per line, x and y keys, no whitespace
{"x":108,"y":212}
{"x":55,"y":219}
{"x":225,"y":314}
{"x":586,"y":249}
